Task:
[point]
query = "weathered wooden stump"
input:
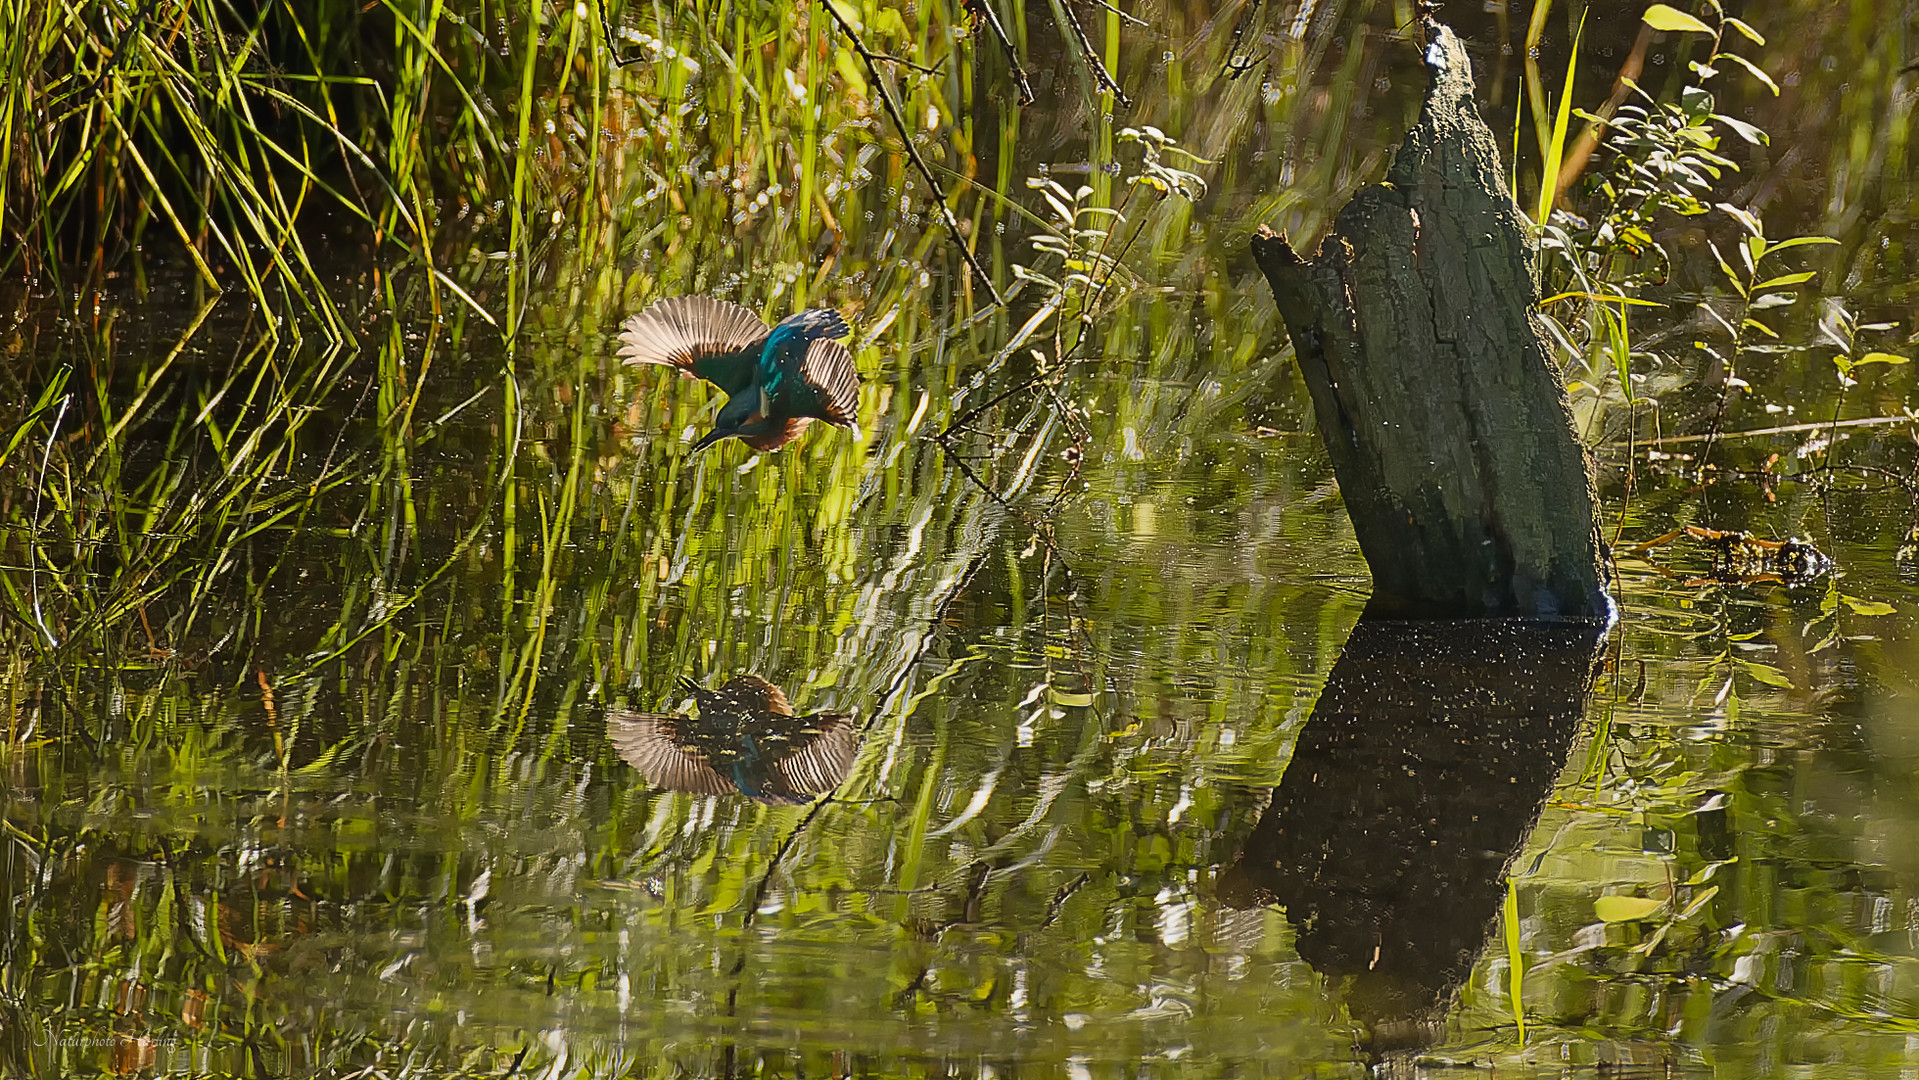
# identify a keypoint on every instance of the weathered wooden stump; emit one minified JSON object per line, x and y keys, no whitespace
{"x":1436,"y":398}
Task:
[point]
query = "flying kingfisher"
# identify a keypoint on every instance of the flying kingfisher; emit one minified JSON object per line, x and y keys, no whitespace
{"x":777,"y":380}
{"x":746,"y":740}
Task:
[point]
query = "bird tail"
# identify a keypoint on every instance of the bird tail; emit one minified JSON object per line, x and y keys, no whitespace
{"x":684,"y":330}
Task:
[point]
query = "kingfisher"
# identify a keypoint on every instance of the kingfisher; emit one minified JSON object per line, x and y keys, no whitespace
{"x":777,"y":379}
{"x":746,"y":740}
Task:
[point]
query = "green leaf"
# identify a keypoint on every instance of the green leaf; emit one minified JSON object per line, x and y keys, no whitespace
{"x":1799,"y":241}
{"x":1616,"y":908}
{"x":1750,"y":33}
{"x":1868,"y":607}
{"x":1751,"y":133}
{"x":1556,"y":151}
{"x":1515,"y":956}
{"x":1061,"y":697}
{"x":1738,"y":285}
{"x":1705,"y":897}
{"x":1599,"y":298}
{"x":1705,"y":873}
{"x":1754,"y":70}
{"x":1662,"y":17}
{"x":1743,"y":217}
{"x":1783,"y":279}
{"x":1767,"y":674}
{"x":1882,"y":358}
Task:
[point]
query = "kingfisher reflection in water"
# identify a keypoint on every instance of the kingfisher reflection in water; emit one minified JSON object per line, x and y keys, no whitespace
{"x":745,"y":740}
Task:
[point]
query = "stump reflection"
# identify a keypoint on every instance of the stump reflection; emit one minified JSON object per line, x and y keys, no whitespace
{"x":1414,"y":783}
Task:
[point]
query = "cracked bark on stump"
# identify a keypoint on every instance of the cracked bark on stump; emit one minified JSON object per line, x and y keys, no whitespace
{"x":1436,"y":398}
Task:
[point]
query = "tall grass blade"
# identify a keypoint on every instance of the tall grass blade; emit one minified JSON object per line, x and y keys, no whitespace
{"x":1556,"y":148}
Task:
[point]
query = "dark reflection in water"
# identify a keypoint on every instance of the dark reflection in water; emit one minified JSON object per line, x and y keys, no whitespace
{"x":1413,"y":784}
{"x":745,"y":740}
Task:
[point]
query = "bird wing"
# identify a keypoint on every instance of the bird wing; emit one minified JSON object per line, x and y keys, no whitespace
{"x":647,"y":741}
{"x":699,"y":335}
{"x":820,"y":758}
{"x":828,"y":369}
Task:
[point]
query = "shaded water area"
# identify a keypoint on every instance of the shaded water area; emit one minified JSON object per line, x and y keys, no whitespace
{"x":329,"y":666}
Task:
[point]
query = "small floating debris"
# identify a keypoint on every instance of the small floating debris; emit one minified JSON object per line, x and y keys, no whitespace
{"x":1740,"y":558}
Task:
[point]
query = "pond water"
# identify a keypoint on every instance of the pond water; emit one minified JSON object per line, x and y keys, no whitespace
{"x":330,"y":666}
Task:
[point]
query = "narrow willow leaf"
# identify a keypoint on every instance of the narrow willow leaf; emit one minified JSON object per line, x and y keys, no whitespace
{"x":1799,"y":241}
{"x":1615,"y":908}
{"x":1599,"y":298}
{"x":1767,"y":674}
{"x":1749,"y":132}
{"x":1882,"y":358}
{"x":1754,"y":70}
{"x":1704,"y":898}
{"x":1868,"y":607}
{"x":1738,"y":284}
{"x":1662,"y":17}
{"x":1750,"y":33}
{"x":1743,"y":217}
{"x":1705,"y":873}
{"x":1783,"y":279}
{"x":1515,"y":957}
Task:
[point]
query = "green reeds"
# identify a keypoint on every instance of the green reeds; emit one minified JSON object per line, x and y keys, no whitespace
{"x":228,"y":132}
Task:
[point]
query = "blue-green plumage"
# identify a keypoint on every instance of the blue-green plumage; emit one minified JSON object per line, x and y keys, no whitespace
{"x":776,"y":380}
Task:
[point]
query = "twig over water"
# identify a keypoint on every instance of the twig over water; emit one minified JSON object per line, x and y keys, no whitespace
{"x":984,"y":10}
{"x":906,"y":137}
{"x":1100,"y":75}
{"x":1237,"y":65}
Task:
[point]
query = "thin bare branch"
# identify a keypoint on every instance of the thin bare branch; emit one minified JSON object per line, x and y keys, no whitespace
{"x":983,"y":9}
{"x":899,"y":121}
{"x":1100,"y":75}
{"x":1237,"y":65}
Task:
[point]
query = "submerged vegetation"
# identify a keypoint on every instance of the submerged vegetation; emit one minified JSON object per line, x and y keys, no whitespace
{"x":335,"y":529}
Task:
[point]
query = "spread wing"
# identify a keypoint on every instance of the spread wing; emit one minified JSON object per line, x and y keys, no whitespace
{"x":819,"y":758}
{"x":828,"y":369}
{"x":697,"y":334}
{"x":649,"y":743}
